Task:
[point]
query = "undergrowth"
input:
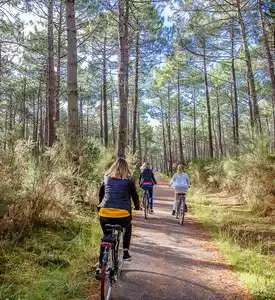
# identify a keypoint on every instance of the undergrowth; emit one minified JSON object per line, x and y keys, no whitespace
{"x":51,"y":263}
{"x":247,"y":240}
{"x":49,"y":233}
{"x":249,"y":176}
{"x":45,"y":190}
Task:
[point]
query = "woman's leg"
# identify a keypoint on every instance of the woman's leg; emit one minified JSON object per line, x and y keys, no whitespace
{"x":103,"y":222}
{"x":175,"y":202}
{"x":151,"y":198}
{"x":127,"y":237}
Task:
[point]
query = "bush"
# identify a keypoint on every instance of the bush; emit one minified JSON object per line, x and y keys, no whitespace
{"x":250,"y":176}
{"x":51,"y":188}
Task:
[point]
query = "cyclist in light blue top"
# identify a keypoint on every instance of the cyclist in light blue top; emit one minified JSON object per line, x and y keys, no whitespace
{"x":181,"y":183}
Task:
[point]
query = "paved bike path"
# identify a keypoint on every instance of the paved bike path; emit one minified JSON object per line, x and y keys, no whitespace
{"x":175,"y":262}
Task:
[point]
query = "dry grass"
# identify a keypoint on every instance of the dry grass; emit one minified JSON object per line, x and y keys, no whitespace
{"x":51,"y":189}
{"x":247,"y":240}
{"x":250,"y":177}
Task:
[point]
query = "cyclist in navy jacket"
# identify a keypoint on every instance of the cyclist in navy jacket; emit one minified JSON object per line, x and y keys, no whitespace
{"x":147,"y":176}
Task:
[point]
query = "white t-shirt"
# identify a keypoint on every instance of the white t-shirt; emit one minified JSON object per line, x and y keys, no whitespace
{"x":180,"y":182}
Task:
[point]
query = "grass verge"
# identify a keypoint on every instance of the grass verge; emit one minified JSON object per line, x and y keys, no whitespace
{"x":248,"y":241}
{"x":51,"y":263}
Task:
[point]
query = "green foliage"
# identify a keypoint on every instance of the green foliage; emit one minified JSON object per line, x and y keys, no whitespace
{"x":248,"y":241}
{"x":51,"y":263}
{"x":250,"y":176}
{"x":49,"y":190}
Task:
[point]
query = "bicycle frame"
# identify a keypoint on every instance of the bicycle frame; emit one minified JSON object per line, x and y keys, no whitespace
{"x":111,"y":273}
{"x":180,"y":207}
{"x":145,"y":200}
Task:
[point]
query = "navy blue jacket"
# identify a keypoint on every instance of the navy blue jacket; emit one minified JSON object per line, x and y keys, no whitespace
{"x":147,"y":176}
{"x":117,"y":193}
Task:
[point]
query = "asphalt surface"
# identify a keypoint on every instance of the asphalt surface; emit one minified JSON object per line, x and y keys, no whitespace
{"x":175,"y":262}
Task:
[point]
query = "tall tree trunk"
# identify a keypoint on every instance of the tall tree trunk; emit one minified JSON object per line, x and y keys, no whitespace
{"x":182,"y":161}
{"x":105,"y":106}
{"x":250,"y":105}
{"x":58,"y":67}
{"x":136,"y":95}
{"x":23,"y":107}
{"x":73,"y":129}
{"x":51,"y":78}
{"x":255,"y":108}
{"x":139,"y":138}
{"x":123,"y":7}
{"x":210,"y":138}
{"x":194,"y":127}
{"x":236,"y":109}
{"x":101,"y":117}
{"x":11,"y":113}
{"x":81,"y":125}
{"x":233,"y":114}
{"x":219,"y":123}
{"x":168,"y":119}
{"x":163,"y":137}
{"x":87,"y":121}
{"x":269,"y":60}
{"x":112,"y":120}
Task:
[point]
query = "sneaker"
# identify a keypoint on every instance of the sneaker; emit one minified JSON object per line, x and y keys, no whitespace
{"x":185,"y":208}
{"x":173,"y":212}
{"x":126,"y":255}
{"x":98,"y":272}
{"x":151,"y":211}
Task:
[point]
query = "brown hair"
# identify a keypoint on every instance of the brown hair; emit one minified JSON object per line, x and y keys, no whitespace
{"x":119,"y":170}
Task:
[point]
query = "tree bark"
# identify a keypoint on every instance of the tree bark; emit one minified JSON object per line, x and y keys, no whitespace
{"x":219,"y":123}
{"x":23,"y":107}
{"x":182,"y":161}
{"x":236,"y":109}
{"x":195,"y":127}
{"x":269,"y":60}
{"x":58,"y":67}
{"x":51,"y":78}
{"x":105,"y":106}
{"x":73,"y":129}
{"x":255,"y":108}
{"x":81,"y":125}
{"x":101,"y":117}
{"x":164,"y":140}
{"x":168,"y":122}
{"x":210,"y":138}
{"x":112,"y":120}
{"x":136,"y":95}
{"x":123,"y":7}
{"x":139,"y":137}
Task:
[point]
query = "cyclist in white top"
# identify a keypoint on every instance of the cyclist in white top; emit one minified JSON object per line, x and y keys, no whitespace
{"x":181,"y":183}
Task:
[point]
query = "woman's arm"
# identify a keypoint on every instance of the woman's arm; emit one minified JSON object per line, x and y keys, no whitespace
{"x":173,"y":179}
{"x":134,"y":195}
{"x":101,"y":192}
{"x":140,"y":177}
{"x":153,"y":178}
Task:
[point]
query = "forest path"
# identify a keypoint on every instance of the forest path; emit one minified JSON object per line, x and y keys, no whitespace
{"x":175,"y":262}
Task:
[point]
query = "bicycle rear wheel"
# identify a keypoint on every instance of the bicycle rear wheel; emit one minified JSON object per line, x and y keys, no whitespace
{"x":182,"y":211}
{"x":145,"y":204}
{"x":106,"y":283}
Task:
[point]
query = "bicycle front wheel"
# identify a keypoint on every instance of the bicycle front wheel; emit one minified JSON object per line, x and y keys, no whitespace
{"x":106,"y":284}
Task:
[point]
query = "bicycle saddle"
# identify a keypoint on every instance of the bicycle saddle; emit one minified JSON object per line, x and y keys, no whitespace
{"x":114,"y":227}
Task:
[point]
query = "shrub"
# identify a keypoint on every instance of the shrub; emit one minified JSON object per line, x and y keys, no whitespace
{"x":51,"y":188}
{"x":251,"y":176}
